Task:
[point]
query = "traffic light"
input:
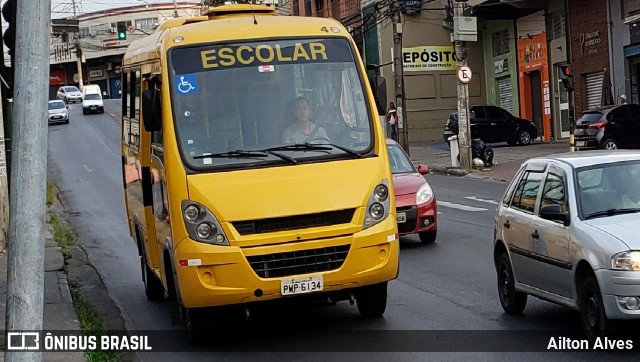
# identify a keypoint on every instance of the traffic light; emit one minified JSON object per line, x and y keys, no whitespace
{"x":9,"y":14}
{"x":122,"y":31}
{"x":566,"y":76}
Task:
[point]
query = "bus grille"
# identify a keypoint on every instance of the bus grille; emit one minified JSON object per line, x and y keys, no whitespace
{"x":293,"y":222}
{"x":299,"y":262}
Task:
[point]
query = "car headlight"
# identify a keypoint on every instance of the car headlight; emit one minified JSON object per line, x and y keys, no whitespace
{"x":202,"y":225}
{"x":424,"y":194}
{"x":628,"y":260}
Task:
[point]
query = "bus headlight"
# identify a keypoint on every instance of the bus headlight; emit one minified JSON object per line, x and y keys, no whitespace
{"x":191,"y":213}
{"x":378,"y":205}
{"x":381,"y":192}
{"x":376,"y":210}
{"x":202,"y":226}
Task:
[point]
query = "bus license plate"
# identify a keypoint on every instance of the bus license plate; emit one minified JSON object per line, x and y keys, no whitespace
{"x":302,"y":285}
{"x":402,"y":217}
{"x":581,"y":143}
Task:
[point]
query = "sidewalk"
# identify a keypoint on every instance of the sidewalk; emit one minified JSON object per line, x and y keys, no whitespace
{"x":506,"y":161}
{"x":59,"y":313}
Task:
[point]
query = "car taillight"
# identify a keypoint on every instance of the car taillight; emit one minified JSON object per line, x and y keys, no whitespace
{"x":597,"y":125}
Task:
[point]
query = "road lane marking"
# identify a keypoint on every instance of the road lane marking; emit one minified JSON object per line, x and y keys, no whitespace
{"x":481,"y":200}
{"x":460,"y":207}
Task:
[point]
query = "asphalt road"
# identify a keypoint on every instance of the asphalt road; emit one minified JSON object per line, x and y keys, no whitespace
{"x":449,"y":285}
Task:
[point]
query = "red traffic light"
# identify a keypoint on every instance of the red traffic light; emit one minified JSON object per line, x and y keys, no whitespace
{"x":566,"y":70}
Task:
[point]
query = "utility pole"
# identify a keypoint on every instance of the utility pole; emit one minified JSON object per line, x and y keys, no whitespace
{"x":4,"y":185}
{"x":78,"y":50}
{"x":25,"y":259}
{"x":567,"y":31}
{"x":464,"y":134}
{"x":175,"y":9}
{"x":398,"y":78}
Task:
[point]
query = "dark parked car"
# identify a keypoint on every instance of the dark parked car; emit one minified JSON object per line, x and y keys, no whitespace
{"x":609,"y":127}
{"x":493,"y":124}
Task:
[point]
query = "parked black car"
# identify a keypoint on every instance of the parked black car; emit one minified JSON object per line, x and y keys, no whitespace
{"x":493,"y":124}
{"x":609,"y":128}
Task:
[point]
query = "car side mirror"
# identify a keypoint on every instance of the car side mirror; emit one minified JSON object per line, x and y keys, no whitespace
{"x":423,"y":169}
{"x":554,"y":213}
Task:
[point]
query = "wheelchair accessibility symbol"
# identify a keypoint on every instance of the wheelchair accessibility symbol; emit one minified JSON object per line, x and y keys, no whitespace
{"x":186,"y":84}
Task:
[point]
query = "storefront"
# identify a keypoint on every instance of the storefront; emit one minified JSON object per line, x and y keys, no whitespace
{"x":533,"y":72}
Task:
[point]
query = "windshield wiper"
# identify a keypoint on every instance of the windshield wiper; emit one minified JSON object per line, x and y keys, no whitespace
{"x":299,"y":146}
{"x":312,"y":147}
{"x":612,"y":212}
{"x":349,"y":151}
{"x":233,"y":154}
{"x":246,"y":154}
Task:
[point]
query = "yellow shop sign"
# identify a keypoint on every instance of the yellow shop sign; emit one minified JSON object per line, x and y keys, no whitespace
{"x":429,"y":58}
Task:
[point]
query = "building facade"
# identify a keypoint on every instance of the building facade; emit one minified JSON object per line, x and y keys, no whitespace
{"x":99,"y":47}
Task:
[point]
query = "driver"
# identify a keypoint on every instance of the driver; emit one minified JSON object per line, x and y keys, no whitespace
{"x":303,"y":130}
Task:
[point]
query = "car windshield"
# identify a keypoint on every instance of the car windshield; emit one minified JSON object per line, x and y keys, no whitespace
{"x":609,"y":189}
{"x":91,"y":97}
{"x":400,"y":163}
{"x":71,"y":89}
{"x":56,"y":105}
{"x":280,"y":96}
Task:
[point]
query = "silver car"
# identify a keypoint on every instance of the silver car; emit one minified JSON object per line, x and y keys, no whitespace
{"x":58,"y":112}
{"x":568,"y":231}
{"x":69,"y":94}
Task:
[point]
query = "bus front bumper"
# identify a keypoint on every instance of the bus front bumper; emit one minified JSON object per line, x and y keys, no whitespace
{"x":210,"y":275}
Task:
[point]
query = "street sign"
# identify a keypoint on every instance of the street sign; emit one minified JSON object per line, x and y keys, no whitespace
{"x":464,"y":74}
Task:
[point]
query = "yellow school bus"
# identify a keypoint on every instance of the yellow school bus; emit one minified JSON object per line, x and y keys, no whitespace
{"x":253,"y":165}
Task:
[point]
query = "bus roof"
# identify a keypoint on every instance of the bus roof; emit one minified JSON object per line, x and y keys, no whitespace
{"x":231,"y":22}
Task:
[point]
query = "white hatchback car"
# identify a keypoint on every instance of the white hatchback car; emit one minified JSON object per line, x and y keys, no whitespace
{"x":567,"y":231}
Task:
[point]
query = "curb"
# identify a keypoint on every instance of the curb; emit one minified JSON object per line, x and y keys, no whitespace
{"x":449,"y":171}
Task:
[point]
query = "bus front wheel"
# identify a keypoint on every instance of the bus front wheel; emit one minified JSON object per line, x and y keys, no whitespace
{"x":372,"y":300}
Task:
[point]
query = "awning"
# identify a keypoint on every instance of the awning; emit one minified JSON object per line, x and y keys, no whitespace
{"x":508,"y":9}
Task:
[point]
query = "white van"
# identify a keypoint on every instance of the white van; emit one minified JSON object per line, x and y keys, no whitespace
{"x":92,"y":99}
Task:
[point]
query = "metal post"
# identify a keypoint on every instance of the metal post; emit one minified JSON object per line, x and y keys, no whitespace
{"x":4,"y":185}
{"x":464,"y":134}
{"x":398,"y":77}
{"x":175,"y":9}
{"x":567,"y":36}
{"x":25,"y":260}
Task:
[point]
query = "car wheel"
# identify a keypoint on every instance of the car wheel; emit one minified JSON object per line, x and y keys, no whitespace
{"x":428,"y":237}
{"x":196,"y":324}
{"x":84,"y":111}
{"x":524,"y":137}
{"x":152,"y":285}
{"x":610,"y":144}
{"x":513,"y":302}
{"x":594,"y":318}
{"x":372,"y":300}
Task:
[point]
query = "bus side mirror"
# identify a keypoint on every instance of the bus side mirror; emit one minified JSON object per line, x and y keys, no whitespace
{"x":151,"y":110}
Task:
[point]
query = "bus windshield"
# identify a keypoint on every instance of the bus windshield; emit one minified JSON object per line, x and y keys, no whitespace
{"x":270,"y":102}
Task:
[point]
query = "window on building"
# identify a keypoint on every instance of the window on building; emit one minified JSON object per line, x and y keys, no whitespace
{"x":557,"y":26}
{"x":147,"y":23}
{"x":101,"y":29}
{"x":84,"y":32}
{"x":295,"y":7}
{"x":630,"y":7}
{"x":307,"y":7}
{"x":319,"y":7}
{"x":500,"y":42}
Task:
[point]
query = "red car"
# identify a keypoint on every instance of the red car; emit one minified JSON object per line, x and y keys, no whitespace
{"x":416,"y":207}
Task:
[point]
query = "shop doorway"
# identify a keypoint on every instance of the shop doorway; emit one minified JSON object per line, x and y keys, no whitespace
{"x":535,"y":84}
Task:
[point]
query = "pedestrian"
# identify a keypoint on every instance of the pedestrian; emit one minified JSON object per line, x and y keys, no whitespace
{"x":623,"y":99}
{"x":392,"y":118}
